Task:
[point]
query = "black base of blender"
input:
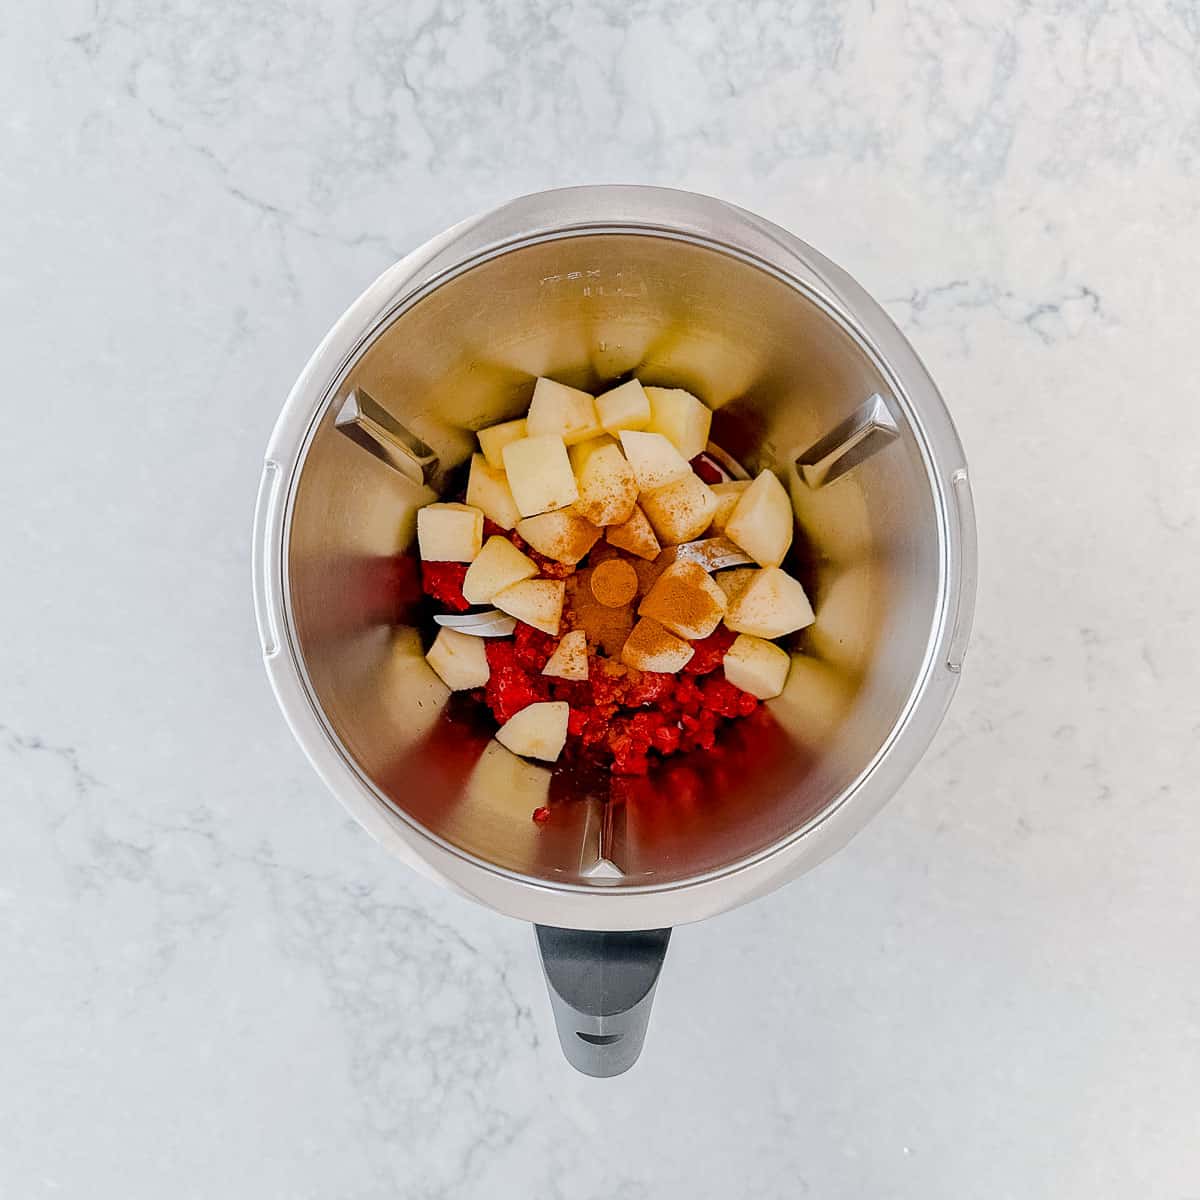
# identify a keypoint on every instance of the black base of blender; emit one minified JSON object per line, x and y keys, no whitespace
{"x":601,"y":989}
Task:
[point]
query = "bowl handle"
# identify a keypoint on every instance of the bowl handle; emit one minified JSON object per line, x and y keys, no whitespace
{"x":601,"y":989}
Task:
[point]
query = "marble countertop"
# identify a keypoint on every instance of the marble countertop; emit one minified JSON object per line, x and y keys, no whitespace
{"x":215,"y":985}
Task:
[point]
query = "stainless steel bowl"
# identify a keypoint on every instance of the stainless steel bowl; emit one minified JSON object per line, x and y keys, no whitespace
{"x":805,"y":374}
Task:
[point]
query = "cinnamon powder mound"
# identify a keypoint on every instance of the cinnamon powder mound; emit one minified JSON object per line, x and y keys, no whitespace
{"x":606,"y":628}
{"x":614,"y":583}
{"x":685,"y":600}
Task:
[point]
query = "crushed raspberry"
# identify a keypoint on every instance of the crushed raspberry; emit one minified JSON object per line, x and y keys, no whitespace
{"x":443,"y":581}
{"x":532,"y":647}
{"x":710,"y":651}
{"x":647,"y":687}
{"x":510,"y":687}
{"x":541,"y":815}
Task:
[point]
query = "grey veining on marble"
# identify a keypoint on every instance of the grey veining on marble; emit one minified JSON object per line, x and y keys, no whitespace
{"x":214,"y":985}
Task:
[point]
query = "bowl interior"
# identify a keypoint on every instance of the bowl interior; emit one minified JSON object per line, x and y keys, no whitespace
{"x":780,"y":373}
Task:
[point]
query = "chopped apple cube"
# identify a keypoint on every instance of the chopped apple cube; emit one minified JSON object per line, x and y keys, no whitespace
{"x":681,"y":418}
{"x":537,"y":602}
{"x":653,"y":459}
{"x":635,"y":535}
{"x":570,"y":659}
{"x":757,"y":666}
{"x":771,"y":604}
{"x":731,"y":582}
{"x":562,"y":536}
{"x":651,"y":647}
{"x":493,"y":440}
{"x":537,"y":731}
{"x":761,"y":522}
{"x":582,"y":451}
{"x":685,"y":600}
{"x":727,"y":494}
{"x":624,"y":407}
{"x":565,"y":411}
{"x":449,"y":532}
{"x":497,"y":566}
{"x":488,"y":491}
{"x":540,"y":475}
{"x":608,"y":491}
{"x":680,"y":511}
{"x":459,"y":659}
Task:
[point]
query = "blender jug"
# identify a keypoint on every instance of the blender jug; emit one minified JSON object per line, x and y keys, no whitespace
{"x":805,"y":375}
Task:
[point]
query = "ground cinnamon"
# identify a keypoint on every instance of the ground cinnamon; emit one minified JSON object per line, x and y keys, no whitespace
{"x":614,"y":583}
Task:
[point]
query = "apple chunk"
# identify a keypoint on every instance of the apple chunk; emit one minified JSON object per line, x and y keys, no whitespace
{"x":681,"y":418}
{"x":653,"y":459}
{"x":537,"y":602}
{"x":562,"y":536}
{"x":582,"y":451}
{"x":762,"y":521}
{"x":607,"y":489}
{"x":537,"y":731}
{"x":488,"y":491}
{"x":651,"y":647}
{"x":570,"y":659}
{"x":757,"y":666}
{"x":771,"y":604}
{"x":728,"y":495}
{"x":449,"y":532}
{"x":731,"y":582}
{"x":540,"y":475}
{"x":497,"y":566}
{"x":635,"y":535}
{"x":493,"y":440}
{"x":685,"y":600}
{"x":680,"y":511}
{"x":565,"y":411}
{"x":459,"y":659}
{"x":624,"y":407}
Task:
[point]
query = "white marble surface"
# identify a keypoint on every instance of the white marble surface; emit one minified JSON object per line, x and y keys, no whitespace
{"x":214,"y":985}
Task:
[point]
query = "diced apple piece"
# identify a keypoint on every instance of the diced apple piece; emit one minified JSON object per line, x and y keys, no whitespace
{"x":728,"y":495}
{"x":636,"y":536}
{"x":582,"y":451}
{"x":570,"y":659}
{"x":681,"y":418}
{"x":608,"y":491}
{"x":685,"y":600}
{"x":732,"y":582}
{"x":680,"y":511}
{"x":771,"y":604}
{"x":493,"y":440}
{"x":459,"y":659}
{"x":651,"y":647}
{"x":537,"y":602}
{"x":537,"y":731}
{"x":624,"y":407}
{"x":565,"y":411}
{"x":562,"y":536}
{"x":449,"y":532}
{"x":762,"y":521}
{"x":488,"y":491}
{"x":653,"y":459}
{"x":540,"y":475}
{"x":497,"y":566}
{"x":757,"y":666}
